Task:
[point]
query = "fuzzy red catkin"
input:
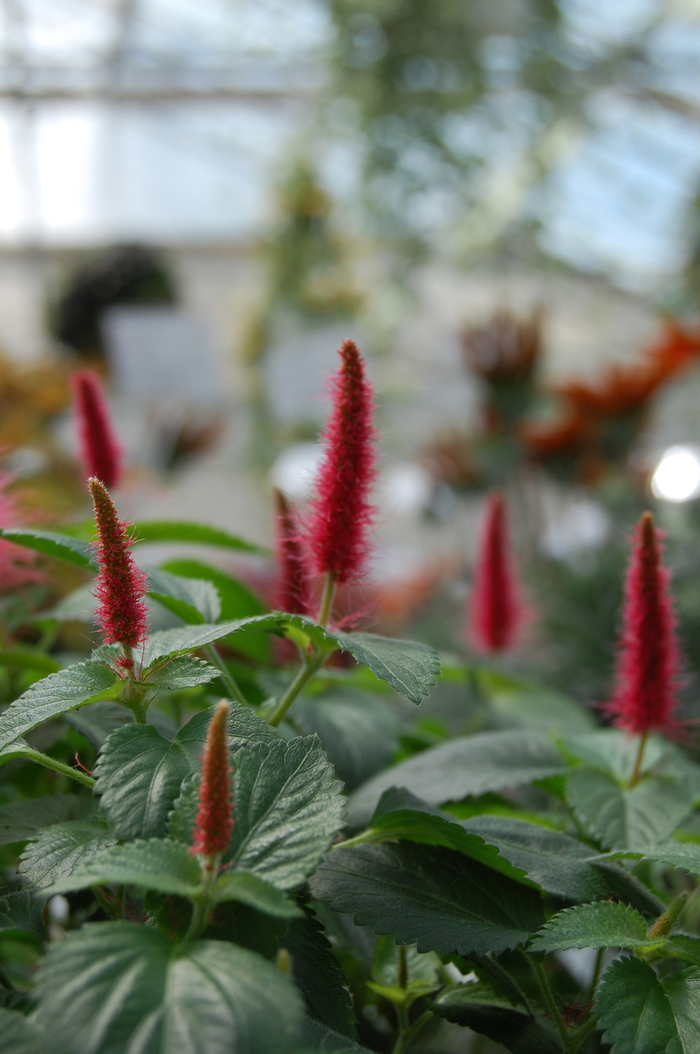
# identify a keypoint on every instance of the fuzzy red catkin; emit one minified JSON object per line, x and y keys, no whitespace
{"x":292,"y":593}
{"x":121,"y":586}
{"x":342,"y":514}
{"x":496,"y":613}
{"x":647,"y":674}
{"x":100,"y":450}
{"x":214,"y":824}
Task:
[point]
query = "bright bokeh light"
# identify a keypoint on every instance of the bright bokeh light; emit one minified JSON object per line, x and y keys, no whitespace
{"x":677,"y":476}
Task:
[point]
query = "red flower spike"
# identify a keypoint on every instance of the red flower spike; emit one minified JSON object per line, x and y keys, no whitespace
{"x":122,"y":612}
{"x":342,"y":514}
{"x":100,"y":451}
{"x":293,"y":592}
{"x":496,"y":612}
{"x":212,"y":832}
{"x":648,"y":661}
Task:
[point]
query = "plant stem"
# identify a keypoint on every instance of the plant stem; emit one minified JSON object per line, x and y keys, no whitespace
{"x":327,"y":600}
{"x":638,"y":763}
{"x":58,"y":766}
{"x":304,"y":675}
{"x":550,"y":1000}
{"x":581,"y":1035}
{"x":407,"y":1033}
{"x":596,"y":974}
{"x":403,"y":967}
{"x":202,"y":905}
{"x":226,"y":675}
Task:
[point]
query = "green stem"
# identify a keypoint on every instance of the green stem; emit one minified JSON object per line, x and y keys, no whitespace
{"x":370,"y":835}
{"x":408,"y":1033}
{"x":638,"y":763}
{"x":58,"y":766}
{"x":327,"y":600}
{"x":203,"y":903}
{"x":581,"y":1035}
{"x":403,"y":967}
{"x":596,"y":974}
{"x":550,"y":1000}
{"x":226,"y":675}
{"x":110,"y":905}
{"x":306,"y":672}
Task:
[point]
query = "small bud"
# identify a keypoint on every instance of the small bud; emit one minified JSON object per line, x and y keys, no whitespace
{"x":666,"y":922}
{"x":648,"y":660}
{"x":496,"y":612}
{"x":342,"y":514}
{"x":283,"y":961}
{"x":214,"y":824}
{"x":100,"y":451}
{"x":292,"y":593}
{"x":121,"y":586}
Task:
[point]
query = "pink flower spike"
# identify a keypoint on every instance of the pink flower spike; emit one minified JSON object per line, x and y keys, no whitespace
{"x":647,"y":675}
{"x":342,"y":514}
{"x":17,"y":565}
{"x":212,"y":832}
{"x":121,"y":586}
{"x":100,"y":450}
{"x":496,"y":612}
{"x":293,"y":587}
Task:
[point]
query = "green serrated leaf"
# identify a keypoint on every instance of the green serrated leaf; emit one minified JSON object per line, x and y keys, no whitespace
{"x":25,"y":819}
{"x":184,"y":671}
{"x":18,"y":1035}
{"x":318,"y":975}
{"x":193,"y":600}
{"x":623,"y":817}
{"x":410,"y":668}
{"x":317,"y":1037}
{"x":614,"y":751}
{"x":189,"y":638}
{"x":358,"y":730}
{"x":139,"y":774}
{"x":635,"y":1014}
{"x":553,"y":860}
{"x":61,"y":546}
{"x":210,"y":996}
{"x":683,"y":993}
{"x":288,"y":806}
{"x":189,"y":531}
{"x":477,"y":1007}
{"x":605,"y":924}
{"x":61,"y":848}
{"x":469,"y":765}
{"x":21,"y":913}
{"x":254,"y":892}
{"x":156,"y":864}
{"x":85,"y":682}
{"x":425,"y":895}
{"x":243,"y":729}
{"x":401,"y":815}
{"x":683,"y":946}
{"x":685,"y":855}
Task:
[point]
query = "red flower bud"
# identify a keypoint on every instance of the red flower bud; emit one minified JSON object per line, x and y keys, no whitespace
{"x":648,"y":662}
{"x":496,"y":612}
{"x":121,"y":586}
{"x":100,"y":450}
{"x":212,"y":832}
{"x":342,"y":514}
{"x":292,"y":593}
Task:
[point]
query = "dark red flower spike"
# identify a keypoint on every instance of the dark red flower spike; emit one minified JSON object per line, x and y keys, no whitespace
{"x":342,"y":513}
{"x":496,"y":612}
{"x":214,"y":824}
{"x":121,"y":586}
{"x":100,"y":450}
{"x":292,"y":593}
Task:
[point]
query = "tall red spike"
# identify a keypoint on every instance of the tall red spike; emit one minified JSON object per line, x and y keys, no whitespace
{"x":496,"y":612}
{"x":100,"y":450}
{"x":293,"y":588}
{"x":647,"y":675}
{"x":212,"y":832}
{"x":342,"y":514}
{"x":121,"y":586}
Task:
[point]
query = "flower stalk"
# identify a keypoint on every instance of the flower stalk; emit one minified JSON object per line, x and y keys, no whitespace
{"x":100,"y":450}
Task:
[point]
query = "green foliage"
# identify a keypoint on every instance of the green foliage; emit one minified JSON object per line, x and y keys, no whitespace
{"x":470,"y":765}
{"x":605,"y":924}
{"x":155,"y":864}
{"x":205,"y":996}
{"x":191,"y":599}
{"x":478,"y":1007}
{"x":408,"y":667}
{"x":61,"y":546}
{"x":18,"y":1035}
{"x":425,"y":895}
{"x":83,"y":683}
{"x":621,"y":817}
{"x":25,"y":819}
{"x":642,"y":1014}
{"x":183,"y":671}
{"x":318,"y":974}
{"x":61,"y":848}
{"x":188,"y":531}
